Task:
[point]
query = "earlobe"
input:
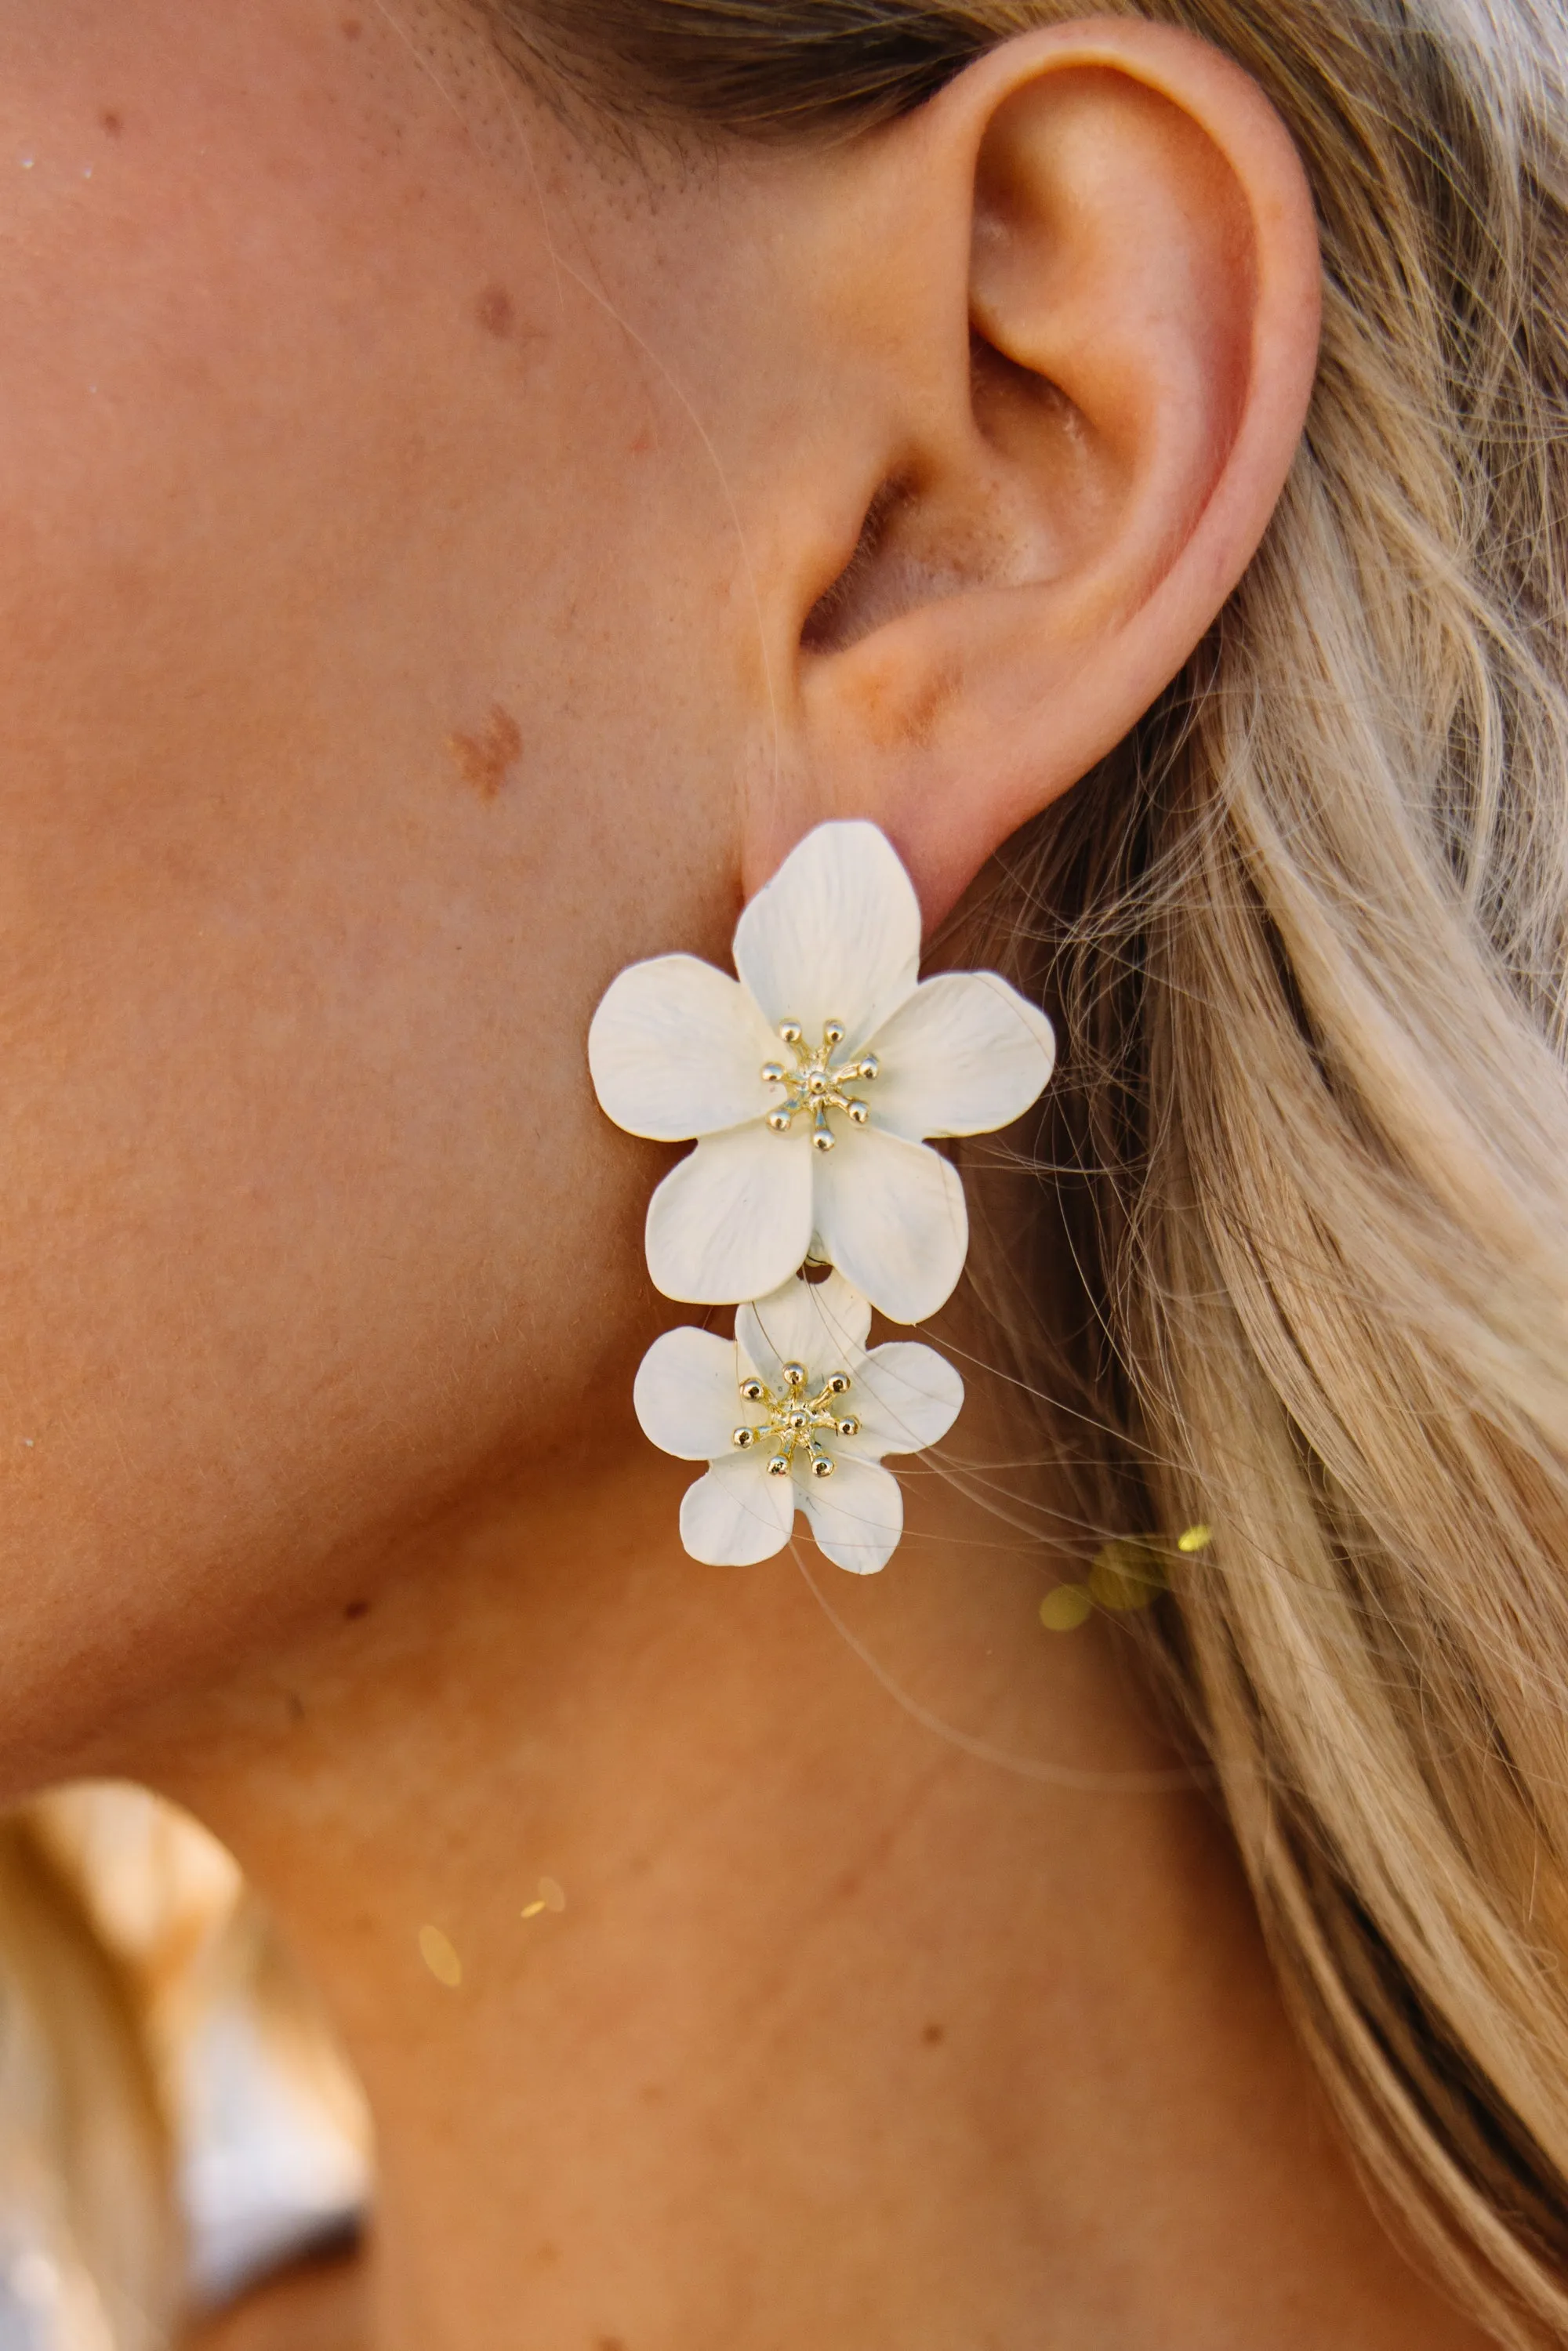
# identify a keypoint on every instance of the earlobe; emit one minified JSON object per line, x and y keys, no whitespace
{"x":1079,"y":479}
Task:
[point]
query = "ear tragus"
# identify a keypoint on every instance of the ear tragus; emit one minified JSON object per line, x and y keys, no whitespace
{"x":851,"y":606}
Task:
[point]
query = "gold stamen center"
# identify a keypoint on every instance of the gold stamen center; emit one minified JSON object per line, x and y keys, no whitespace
{"x":817,"y":1084}
{"x":796,"y":1422}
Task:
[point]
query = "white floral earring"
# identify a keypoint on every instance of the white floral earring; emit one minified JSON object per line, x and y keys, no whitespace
{"x":819,"y":1153}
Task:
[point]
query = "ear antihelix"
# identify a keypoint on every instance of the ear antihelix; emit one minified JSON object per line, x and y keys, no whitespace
{"x":812,"y":1083}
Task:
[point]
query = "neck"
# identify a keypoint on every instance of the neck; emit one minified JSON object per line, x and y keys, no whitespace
{"x":843,"y":2035}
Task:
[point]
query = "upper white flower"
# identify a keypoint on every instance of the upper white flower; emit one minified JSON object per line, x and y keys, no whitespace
{"x":810,"y":1083}
{"x":794,"y":1413}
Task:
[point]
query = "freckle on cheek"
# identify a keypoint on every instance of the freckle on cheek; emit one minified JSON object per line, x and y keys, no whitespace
{"x":495,"y":312}
{"x":352,"y":28}
{"x":112,"y":122}
{"x":484,"y":760}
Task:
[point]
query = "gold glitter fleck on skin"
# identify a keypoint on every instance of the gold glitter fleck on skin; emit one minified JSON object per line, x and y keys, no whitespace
{"x":549,"y":1897}
{"x":1126,"y":1575}
{"x":439,"y":1955}
{"x":1063,"y":1610}
{"x":1129,"y":1573}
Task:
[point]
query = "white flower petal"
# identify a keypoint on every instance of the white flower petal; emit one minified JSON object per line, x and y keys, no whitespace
{"x":675,"y":1048}
{"x":891,"y":1216}
{"x":737,"y":1514}
{"x":835,"y":936}
{"x":905,"y":1397}
{"x":687,"y":1394}
{"x":966,"y":1054}
{"x":734,"y":1219}
{"x":856,"y":1515}
{"x":822,"y":1324}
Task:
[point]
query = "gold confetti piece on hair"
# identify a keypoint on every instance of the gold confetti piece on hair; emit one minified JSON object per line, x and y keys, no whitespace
{"x":1063,"y":1610}
{"x":1197,"y":1538}
{"x":549,"y":1897}
{"x":440,"y":1957}
{"x":1126,"y":1575}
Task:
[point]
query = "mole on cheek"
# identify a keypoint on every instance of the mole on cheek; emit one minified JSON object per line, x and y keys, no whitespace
{"x":495,"y":312}
{"x":112,"y":122}
{"x":485,"y":759}
{"x":352,"y":28}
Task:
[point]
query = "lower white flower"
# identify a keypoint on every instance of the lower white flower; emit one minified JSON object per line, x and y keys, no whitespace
{"x":795,"y":1413}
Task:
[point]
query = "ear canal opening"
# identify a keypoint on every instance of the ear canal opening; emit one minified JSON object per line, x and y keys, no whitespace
{"x":837,"y":619}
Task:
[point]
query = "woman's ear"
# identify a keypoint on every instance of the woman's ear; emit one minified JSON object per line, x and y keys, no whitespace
{"x":1085,"y":282}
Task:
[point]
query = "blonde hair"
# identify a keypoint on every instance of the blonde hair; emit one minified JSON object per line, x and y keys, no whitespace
{"x":88,"y":2217}
{"x":141,"y":1982}
{"x":1309,"y":1155}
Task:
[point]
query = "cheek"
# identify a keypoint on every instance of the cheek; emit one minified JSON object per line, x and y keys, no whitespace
{"x":343,"y":769}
